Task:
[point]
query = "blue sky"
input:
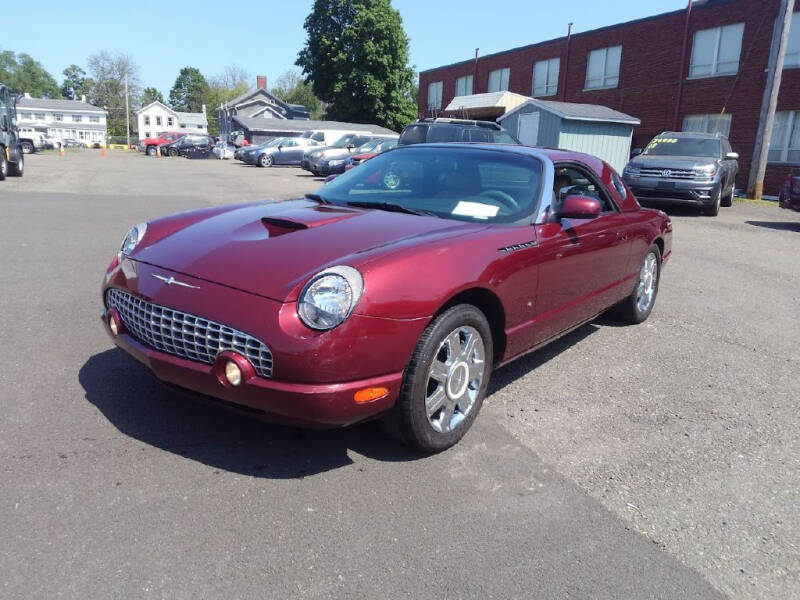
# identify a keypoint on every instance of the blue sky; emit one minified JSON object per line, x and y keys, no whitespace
{"x":263,"y":40}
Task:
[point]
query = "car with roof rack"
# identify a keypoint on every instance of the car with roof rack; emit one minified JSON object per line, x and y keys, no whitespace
{"x":441,"y":129}
{"x":690,"y":168}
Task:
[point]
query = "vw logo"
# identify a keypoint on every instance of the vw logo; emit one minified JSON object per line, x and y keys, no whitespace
{"x":666,"y":173}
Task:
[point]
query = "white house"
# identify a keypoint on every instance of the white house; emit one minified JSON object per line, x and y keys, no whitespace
{"x":61,"y":119}
{"x":156,"y":118}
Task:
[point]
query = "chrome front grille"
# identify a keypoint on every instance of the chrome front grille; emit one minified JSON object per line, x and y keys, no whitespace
{"x":667,"y":173}
{"x":188,"y":336}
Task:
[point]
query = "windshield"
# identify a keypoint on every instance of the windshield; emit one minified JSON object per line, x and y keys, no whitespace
{"x":368,"y":147}
{"x":465,"y":184}
{"x":683,"y":146}
{"x":384,"y":146}
{"x":343,"y":141}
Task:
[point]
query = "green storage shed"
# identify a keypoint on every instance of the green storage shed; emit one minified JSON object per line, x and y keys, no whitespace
{"x":589,"y":128}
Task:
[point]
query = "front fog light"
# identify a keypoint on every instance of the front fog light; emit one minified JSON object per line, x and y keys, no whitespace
{"x":233,"y":373}
{"x":232,"y":369}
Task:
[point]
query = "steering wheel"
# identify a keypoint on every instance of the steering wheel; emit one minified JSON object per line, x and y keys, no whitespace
{"x":502,"y":198}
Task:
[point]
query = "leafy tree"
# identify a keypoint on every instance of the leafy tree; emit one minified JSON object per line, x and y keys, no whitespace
{"x":226,"y":86}
{"x":189,"y":92}
{"x":109,"y":72}
{"x":292,"y":88}
{"x":21,"y":73}
{"x":76,"y":83}
{"x":356,"y":56}
{"x":150,"y":95}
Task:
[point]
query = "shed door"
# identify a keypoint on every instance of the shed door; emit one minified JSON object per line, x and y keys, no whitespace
{"x":528,"y":129}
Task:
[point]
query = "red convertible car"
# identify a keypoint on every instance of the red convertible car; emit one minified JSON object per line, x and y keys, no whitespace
{"x":392,"y":292}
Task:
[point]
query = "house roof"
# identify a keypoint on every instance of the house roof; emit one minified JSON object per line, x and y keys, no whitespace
{"x":573,"y":111}
{"x":297,"y":125}
{"x":32,"y":103}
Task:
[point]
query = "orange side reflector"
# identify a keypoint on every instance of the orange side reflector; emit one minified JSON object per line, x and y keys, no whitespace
{"x":370,"y":394}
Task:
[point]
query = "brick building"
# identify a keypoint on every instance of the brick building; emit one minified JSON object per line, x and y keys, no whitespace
{"x":703,"y":68}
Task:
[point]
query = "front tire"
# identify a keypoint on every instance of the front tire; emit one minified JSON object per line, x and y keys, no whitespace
{"x":3,"y":164}
{"x":151,"y":151}
{"x":639,"y":304}
{"x":445,"y":381}
{"x":712,"y":209}
{"x":173,"y":152}
{"x":16,"y":169}
{"x":265,"y":160}
{"x":27,"y":147}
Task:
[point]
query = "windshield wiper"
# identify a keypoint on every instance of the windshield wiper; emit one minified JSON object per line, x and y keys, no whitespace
{"x":391,"y":207}
{"x":317,"y":198}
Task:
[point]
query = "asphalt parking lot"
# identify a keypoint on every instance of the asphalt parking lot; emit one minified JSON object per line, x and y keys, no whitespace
{"x":654,"y":461}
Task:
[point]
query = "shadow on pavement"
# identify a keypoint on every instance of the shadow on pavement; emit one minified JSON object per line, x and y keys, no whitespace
{"x":779,"y":225}
{"x":141,"y":407}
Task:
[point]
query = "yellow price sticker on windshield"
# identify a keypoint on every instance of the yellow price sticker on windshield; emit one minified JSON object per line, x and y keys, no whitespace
{"x":656,"y":141}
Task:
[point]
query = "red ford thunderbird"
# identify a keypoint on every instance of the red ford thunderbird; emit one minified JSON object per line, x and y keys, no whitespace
{"x":392,"y":292}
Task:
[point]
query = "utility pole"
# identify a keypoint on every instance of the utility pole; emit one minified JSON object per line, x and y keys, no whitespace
{"x":766,"y":120}
{"x":128,"y":112}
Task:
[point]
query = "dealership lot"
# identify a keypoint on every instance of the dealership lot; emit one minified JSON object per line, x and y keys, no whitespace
{"x":651,"y":461}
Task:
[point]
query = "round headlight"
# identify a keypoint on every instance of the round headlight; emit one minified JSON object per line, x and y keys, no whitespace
{"x":132,"y":238}
{"x":330,"y":297}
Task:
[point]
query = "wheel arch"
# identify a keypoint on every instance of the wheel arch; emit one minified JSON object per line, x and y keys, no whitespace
{"x":659,"y":241}
{"x":490,"y":305}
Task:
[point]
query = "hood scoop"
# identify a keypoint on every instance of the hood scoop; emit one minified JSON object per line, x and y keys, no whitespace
{"x":276,"y":226}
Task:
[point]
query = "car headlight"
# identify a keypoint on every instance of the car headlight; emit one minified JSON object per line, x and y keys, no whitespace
{"x":132,"y":238}
{"x":706,"y":170}
{"x":631,"y":170}
{"x":330,"y":297}
{"x":335,"y":163}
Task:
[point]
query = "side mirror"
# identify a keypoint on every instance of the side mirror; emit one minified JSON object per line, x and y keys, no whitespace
{"x":732,"y":155}
{"x":579,"y":207}
{"x":350,"y":146}
{"x":636,"y":152}
{"x":280,"y":147}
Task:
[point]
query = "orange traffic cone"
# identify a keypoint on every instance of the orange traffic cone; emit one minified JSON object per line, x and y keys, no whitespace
{"x":103,"y":153}
{"x":158,"y":151}
{"x":61,"y":150}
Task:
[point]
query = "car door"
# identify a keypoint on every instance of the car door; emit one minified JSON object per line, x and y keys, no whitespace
{"x":583,"y":262}
{"x":286,"y":152}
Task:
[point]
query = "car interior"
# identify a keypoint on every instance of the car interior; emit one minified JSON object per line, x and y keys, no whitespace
{"x":569,"y":180}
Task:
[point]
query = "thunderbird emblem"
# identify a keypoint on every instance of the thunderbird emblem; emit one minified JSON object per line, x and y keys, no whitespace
{"x":172,"y":281}
{"x":666,"y":173}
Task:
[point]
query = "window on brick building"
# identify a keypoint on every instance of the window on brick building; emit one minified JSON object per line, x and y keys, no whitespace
{"x":464,"y":85}
{"x":545,"y":77}
{"x":784,"y":146}
{"x":435,"y":95}
{"x":793,"y":50}
{"x":602,"y":68}
{"x":498,"y":79}
{"x":713,"y":123}
{"x":716,"y":51}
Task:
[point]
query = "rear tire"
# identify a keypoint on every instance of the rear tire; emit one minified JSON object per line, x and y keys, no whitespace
{"x":16,"y":169}
{"x":3,"y":164}
{"x":727,"y":201}
{"x":27,"y":147}
{"x":445,"y":381}
{"x":173,"y":152}
{"x":151,"y":151}
{"x":634,"y":309}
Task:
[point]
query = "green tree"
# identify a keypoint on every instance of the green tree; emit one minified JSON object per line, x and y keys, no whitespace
{"x":292,"y":88}
{"x":356,"y":56}
{"x":76,"y":83}
{"x":150,"y":95}
{"x":189,"y":92}
{"x":231,"y":82}
{"x":110,"y":73}
{"x":21,"y":73}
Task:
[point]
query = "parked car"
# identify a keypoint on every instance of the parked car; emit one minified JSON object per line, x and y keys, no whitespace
{"x":698,"y":169}
{"x":330,"y":159}
{"x":247,"y":151}
{"x":375,"y":299}
{"x":790,"y":192}
{"x":72,"y":143}
{"x":12,"y":157}
{"x":31,"y":140}
{"x":357,"y":159}
{"x":326,"y":137}
{"x":226,"y":150}
{"x":286,"y":151}
{"x":190,"y":146}
{"x":455,"y":130}
{"x":149,"y":145}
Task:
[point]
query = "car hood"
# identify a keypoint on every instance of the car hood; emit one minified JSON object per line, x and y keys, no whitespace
{"x":270,"y":249}
{"x":670,"y":162}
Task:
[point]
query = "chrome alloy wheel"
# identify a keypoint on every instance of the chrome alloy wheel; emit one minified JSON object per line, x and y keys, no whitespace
{"x":648,"y":280}
{"x":454,"y":378}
